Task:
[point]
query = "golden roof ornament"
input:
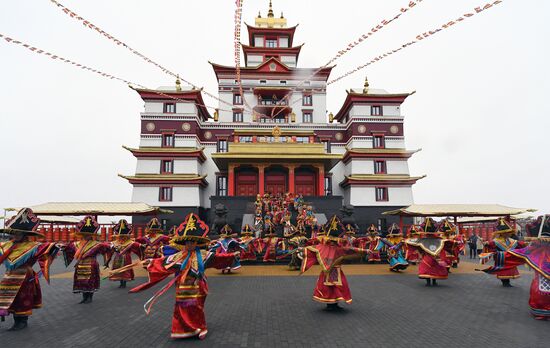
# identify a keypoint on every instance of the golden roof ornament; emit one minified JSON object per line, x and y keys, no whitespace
{"x":178,"y":84}
{"x":366,"y":86}
{"x":270,"y":11}
{"x":292,"y":117}
{"x":270,"y":21}
{"x":331,"y":117}
{"x":216,"y":115}
{"x":259,"y":14}
{"x":276,"y":133}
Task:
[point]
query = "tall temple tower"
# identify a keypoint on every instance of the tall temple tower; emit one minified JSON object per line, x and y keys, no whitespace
{"x":272,"y":134}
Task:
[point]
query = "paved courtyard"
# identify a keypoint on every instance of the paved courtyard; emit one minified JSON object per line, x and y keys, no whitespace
{"x":275,"y":309}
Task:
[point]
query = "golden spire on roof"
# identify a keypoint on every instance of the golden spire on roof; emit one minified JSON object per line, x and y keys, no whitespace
{"x":366,"y":86}
{"x":178,"y":84}
{"x":270,"y":11}
{"x":270,"y":21}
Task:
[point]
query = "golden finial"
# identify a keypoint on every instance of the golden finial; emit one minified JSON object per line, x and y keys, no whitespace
{"x":216,"y":115}
{"x":292,"y":117}
{"x":270,"y":12}
{"x":282,"y":15}
{"x":366,"y":86}
{"x":178,"y":83}
{"x":331,"y":117}
{"x":259,"y":14}
{"x":276,"y":133}
{"x":190,"y":226}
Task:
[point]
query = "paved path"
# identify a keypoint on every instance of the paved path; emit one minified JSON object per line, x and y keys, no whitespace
{"x":467,"y":310}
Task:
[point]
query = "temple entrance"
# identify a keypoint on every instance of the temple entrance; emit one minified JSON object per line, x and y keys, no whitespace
{"x":305,"y":181}
{"x":246,"y":182}
{"x":275,"y":180}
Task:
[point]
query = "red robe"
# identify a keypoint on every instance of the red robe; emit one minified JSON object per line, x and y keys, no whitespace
{"x":249,"y":245}
{"x":411,"y":254}
{"x":191,"y":288}
{"x":502,"y":245}
{"x":332,"y":285}
{"x":152,"y":244}
{"x":537,"y":255}
{"x":374,"y":244}
{"x":271,"y":245}
{"x":433,"y":263}
{"x":86,"y":269}
{"x":20,"y":291}
{"x":123,"y":257}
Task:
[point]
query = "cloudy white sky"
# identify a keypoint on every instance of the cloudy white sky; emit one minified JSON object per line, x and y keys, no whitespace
{"x":480,"y":114}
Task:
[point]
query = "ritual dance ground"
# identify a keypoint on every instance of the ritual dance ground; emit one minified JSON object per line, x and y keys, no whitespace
{"x":268,"y":306}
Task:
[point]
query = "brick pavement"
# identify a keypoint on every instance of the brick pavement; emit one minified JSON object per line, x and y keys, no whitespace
{"x":388,"y":311}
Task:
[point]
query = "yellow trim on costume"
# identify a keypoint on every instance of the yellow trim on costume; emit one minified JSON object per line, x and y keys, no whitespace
{"x":331,"y":300}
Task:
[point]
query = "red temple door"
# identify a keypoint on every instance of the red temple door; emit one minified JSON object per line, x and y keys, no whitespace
{"x":247,"y":184}
{"x":275,"y":182}
{"x":305,"y":183}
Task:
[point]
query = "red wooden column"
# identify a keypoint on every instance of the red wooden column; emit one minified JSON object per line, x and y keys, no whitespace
{"x":321,"y":181}
{"x":231,"y":180}
{"x":291,"y":178}
{"x":261,"y":179}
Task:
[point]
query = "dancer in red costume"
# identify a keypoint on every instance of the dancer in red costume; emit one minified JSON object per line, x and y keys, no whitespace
{"x":537,"y":256}
{"x":187,"y":262}
{"x":430,"y":246}
{"x":411,"y":253}
{"x":122,"y":248}
{"x":501,"y":243}
{"x":153,"y":240}
{"x":373,"y":242}
{"x":20,"y":287}
{"x":226,"y":245}
{"x":248,"y":243}
{"x":85,"y":251}
{"x":332,"y":285}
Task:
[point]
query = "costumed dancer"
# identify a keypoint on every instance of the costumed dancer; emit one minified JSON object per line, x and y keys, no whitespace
{"x":537,"y":256}
{"x":85,"y":251}
{"x":501,"y":243}
{"x":248,"y":244}
{"x":297,"y":243}
{"x":122,"y":247}
{"x":185,"y":259}
{"x":20,"y":287}
{"x":411,"y":253}
{"x":449,"y":231}
{"x":272,"y":245}
{"x":394,"y":241}
{"x":153,"y":240}
{"x":349,"y":239}
{"x":429,"y":246}
{"x":373,"y":242}
{"x":226,"y":245}
{"x":332,"y":285}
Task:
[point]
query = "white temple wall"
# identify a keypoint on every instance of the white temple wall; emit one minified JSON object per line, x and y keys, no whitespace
{"x":366,"y":196}
{"x":183,"y":196}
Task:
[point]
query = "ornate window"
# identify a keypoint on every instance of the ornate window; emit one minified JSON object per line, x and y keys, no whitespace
{"x":165,"y":194}
{"x":169,"y":108}
{"x":381,"y":194}
{"x":167,"y":166}
{"x":376,"y":110}
{"x":379,"y":167}
{"x":221,"y":186}
{"x":307,"y":117}
{"x":168,"y":140}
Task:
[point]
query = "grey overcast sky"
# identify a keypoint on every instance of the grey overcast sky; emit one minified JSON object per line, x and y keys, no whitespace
{"x":480,"y":113}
